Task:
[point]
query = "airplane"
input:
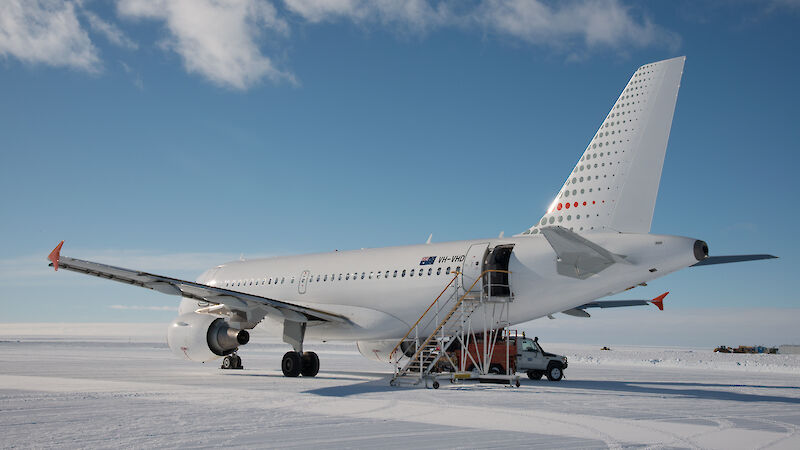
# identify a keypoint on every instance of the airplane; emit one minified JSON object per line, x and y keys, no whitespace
{"x":593,"y":241}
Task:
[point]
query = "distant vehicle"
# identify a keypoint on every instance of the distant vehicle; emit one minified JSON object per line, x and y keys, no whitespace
{"x":592,"y":241}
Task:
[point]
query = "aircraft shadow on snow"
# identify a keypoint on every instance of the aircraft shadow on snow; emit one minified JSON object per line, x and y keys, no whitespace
{"x":677,"y":389}
{"x":673,"y":389}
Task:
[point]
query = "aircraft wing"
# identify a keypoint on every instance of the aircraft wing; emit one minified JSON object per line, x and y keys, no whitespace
{"x":579,"y":311}
{"x":711,"y":260}
{"x":249,"y":308}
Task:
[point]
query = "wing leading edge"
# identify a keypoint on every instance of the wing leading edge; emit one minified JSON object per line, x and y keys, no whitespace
{"x":222,"y":301}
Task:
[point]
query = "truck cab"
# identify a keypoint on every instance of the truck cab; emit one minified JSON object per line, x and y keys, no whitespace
{"x":536,"y":362}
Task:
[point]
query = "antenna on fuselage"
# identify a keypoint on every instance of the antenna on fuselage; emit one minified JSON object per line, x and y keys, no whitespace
{"x":430,"y":236}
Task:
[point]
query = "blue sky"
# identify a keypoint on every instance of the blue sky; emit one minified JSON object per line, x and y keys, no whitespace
{"x":174,"y":136}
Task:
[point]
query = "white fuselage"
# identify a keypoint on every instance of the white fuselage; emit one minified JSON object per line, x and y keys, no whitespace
{"x":376,"y":291}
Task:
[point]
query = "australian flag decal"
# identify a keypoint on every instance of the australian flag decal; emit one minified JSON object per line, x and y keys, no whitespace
{"x":428,"y":260}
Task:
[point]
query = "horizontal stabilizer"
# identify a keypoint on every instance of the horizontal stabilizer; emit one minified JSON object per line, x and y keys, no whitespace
{"x":658,"y":301}
{"x":578,"y":257}
{"x":711,"y":260}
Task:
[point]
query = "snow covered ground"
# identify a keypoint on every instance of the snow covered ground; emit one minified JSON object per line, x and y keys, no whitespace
{"x":119,"y":386}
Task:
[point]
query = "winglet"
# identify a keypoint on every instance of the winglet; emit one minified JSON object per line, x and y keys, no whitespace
{"x":659,"y":301}
{"x":55,"y":254}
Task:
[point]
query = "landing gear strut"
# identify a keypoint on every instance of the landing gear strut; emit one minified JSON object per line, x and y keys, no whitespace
{"x":296,"y":363}
{"x":232,"y":361}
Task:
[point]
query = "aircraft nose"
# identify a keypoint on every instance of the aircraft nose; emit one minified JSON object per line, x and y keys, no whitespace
{"x":700,"y":250}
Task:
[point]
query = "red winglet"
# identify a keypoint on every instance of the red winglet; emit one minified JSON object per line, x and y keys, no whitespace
{"x":55,"y":254}
{"x":659,"y":301}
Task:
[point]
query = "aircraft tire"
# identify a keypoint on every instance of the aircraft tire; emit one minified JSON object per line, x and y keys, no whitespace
{"x":555,"y":372}
{"x":496,"y":369}
{"x":310,"y":364}
{"x":227,"y":363}
{"x":291,"y":364}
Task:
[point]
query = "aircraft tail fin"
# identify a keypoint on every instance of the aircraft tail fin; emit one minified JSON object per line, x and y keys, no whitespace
{"x":614,"y":185}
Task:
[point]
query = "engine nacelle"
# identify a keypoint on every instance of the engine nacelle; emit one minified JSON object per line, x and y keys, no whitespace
{"x":380,"y":350}
{"x":200,"y":337}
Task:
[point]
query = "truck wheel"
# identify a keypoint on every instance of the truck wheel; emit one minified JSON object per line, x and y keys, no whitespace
{"x":535,"y":374}
{"x":496,"y":369}
{"x":554,"y":372}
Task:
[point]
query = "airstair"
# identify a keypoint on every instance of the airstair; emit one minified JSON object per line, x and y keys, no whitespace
{"x":443,"y":343}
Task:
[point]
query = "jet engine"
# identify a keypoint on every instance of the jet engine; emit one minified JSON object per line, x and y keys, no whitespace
{"x":201,"y":337}
{"x":380,"y":350}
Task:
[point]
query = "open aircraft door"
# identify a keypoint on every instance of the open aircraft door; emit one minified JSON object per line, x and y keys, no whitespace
{"x":473,"y":266}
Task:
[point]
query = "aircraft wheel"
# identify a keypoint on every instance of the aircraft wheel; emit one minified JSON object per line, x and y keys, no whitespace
{"x":310,"y":364}
{"x":291,"y":364}
{"x":228,"y":362}
{"x":554,"y":372}
{"x":496,"y":369}
{"x":435,"y":384}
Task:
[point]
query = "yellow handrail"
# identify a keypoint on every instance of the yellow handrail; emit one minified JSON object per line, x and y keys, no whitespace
{"x":479,"y":277}
{"x":423,"y":315}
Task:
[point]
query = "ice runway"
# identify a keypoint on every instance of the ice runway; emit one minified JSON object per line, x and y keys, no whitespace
{"x":81,"y":391}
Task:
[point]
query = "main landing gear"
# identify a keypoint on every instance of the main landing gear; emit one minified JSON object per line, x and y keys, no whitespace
{"x":232,"y":361}
{"x":296,"y":363}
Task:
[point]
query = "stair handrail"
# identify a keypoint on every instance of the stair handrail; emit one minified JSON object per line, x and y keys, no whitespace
{"x":458,"y":303}
{"x":391,"y":354}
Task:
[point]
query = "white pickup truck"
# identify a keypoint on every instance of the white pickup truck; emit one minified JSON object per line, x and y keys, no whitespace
{"x":534,"y":361}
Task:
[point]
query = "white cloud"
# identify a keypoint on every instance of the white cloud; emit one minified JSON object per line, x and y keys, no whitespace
{"x":560,"y":25}
{"x":412,"y":14}
{"x":566,"y":25}
{"x":46,"y":32}
{"x":110,"y":31}
{"x":143,"y":308}
{"x":216,"y":39}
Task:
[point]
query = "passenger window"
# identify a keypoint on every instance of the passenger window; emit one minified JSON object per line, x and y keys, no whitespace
{"x":420,"y":272}
{"x":403,"y":274}
{"x":317,"y":278}
{"x":439,"y":271}
{"x":370,"y":275}
{"x":411,"y":273}
{"x":347,"y":277}
{"x":292,"y":281}
{"x":325,"y":278}
{"x":458,"y":268}
{"x":362,"y":275}
{"x":430,"y":271}
{"x":395,"y":274}
{"x":340,"y":277}
{"x":283,"y":279}
{"x":387,"y":274}
{"x":447,"y":271}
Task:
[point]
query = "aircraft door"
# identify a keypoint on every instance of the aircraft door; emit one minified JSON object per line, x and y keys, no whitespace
{"x":301,"y":286}
{"x":473,"y":266}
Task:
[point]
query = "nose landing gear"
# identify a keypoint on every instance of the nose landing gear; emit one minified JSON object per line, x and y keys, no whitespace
{"x":232,"y":361}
